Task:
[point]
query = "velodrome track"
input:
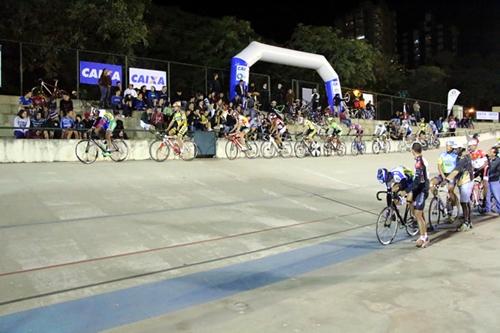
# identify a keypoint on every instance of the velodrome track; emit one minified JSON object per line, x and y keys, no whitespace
{"x":282,"y":245}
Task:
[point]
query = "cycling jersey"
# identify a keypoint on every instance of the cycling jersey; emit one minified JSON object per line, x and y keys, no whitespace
{"x":380,"y":130}
{"x":434,"y":129}
{"x":278,"y":123}
{"x":357,"y":128}
{"x":336,"y":128}
{"x":479,"y":159}
{"x":243,"y":121}
{"x":180,"y":119}
{"x":422,"y":126}
{"x":421,"y":178}
{"x":309,"y":124}
{"x":403,"y":177}
{"x":447,"y":162}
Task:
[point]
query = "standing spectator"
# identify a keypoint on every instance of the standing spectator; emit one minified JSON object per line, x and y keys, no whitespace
{"x":279,"y":94}
{"x":315,"y":99}
{"x":264,"y":97}
{"x":241,"y":91}
{"x":445,"y":126}
{"x":420,"y":192}
{"x":494,"y":180}
{"x":178,"y":97}
{"x":289,"y":98}
{"x":416,"y":110}
{"x":26,"y":102}
{"x":152,"y":97}
{"x":104,"y":83}
{"x":462,"y":175}
{"x":37,"y":123}
{"x":158,"y":119}
{"x":439,"y":124}
{"x":66,"y":104}
{"x":23,"y":121}
{"x":116,"y":101}
{"x":215,"y":85}
{"x":337,"y":102}
{"x":453,"y":125}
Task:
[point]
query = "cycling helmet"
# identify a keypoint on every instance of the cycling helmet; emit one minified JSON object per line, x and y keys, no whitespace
{"x":472,"y":142}
{"x":382,"y":175}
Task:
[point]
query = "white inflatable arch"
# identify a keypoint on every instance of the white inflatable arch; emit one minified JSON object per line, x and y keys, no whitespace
{"x":255,"y":51}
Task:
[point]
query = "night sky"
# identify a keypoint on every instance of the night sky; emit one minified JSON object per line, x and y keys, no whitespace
{"x":478,"y":20}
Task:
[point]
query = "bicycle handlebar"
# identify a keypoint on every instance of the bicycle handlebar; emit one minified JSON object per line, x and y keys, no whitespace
{"x":379,"y":193}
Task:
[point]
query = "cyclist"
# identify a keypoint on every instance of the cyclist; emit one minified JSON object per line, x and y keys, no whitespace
{"x":310,"y":130}
{"x":105,"y":121}
{"x":179,"y":124}
{"x":278,"y":128}
{"x":380,"y":130}
{"x":420,"y":192}
{"x":422,"y":129}
{"x":241,"y":128}
{"x":358,"y":132}
{"x":447,"y":162}
{"x":334,"y":130}
{"x":398,"y":179}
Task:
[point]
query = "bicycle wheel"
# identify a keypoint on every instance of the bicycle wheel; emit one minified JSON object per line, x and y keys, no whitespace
{"x":328,"y":149}
{"x":159,"y":151}
{"x":387,"y":226}
{"x":387,"y":146}
{"x":437,"y":143}
{"x":435,"y":211}
{"x":86,"y":151}
{"x":375,"y":147}
{"x":268,"y":150}
{"x":231,"y":150}
{"x":354,"y":148}
{"x":286,"y":150}
{"x":300,"y":149}
{"x":189,"y":151}
{"x":252,"y":149}
{"x":341,"y":149}
{"x":119,"y":150}
{"x":411,"y":225}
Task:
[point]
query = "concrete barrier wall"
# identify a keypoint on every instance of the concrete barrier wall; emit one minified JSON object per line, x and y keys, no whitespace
{"x":19,"y":151}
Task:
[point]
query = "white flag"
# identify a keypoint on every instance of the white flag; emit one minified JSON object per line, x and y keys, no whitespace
{"x":452,"y":97}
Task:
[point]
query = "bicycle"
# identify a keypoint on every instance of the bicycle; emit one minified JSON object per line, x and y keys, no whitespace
{"x":477,"y":197}
{"x":439,"y":208}
{"x":405,"y":144}
{"x":358,"y":146}
{"x":381,"y":143}
{"x":159,"y":149}
{"x":234,"y":147}
{"x":303,"y":147}
{"x":333,"y":145}
{"x":87,"y":150}
{"x":390,"y":220}
{"x":270,"y":148}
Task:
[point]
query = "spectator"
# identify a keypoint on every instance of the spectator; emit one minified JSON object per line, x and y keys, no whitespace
{"x":416,"y":110}
{"x":158,"y":119}
{"x":117,"y":86}
{"x":445,"y":126}
{"x":67,"y":125}
{"x":289,"y":97}
{"x":493,"y":180}
{"x":315,"y":100}
{"x":279,"y":95}
{"x":264,"y":97}
{"x":66,"y":104}
{"x":119,"y":131}
{"x":215,"y":85}
{"x":79,"y":127}
{"x":241,"y":90}
{"x":453,"y":125}
{"x":130,"y":93}
{"x":104,"y":83}
{"x":87,"y":124}
{"x":139,"y":104}
{"x":337,"y":102}
{"x":26,"y":102}
{"x":116,"y":101}
{"x":144,"y":91}
{"x":37,"y":123}
{"x":23,"y":121}
{"x":152,"y":97}
{"x":163,"y":95}
{"x":439,"y":124}
{"x":344,"y":118}
{"x":145,"y":121}
{"x":204,"y":121}
{"x":53,"y":122}
{"x":178,"y":97}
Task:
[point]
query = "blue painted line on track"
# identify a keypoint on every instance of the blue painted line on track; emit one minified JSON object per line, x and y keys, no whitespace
{"x":126,"y":306}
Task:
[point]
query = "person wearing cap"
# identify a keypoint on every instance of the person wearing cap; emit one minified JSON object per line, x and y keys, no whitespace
{"x":493,"y":179}
{"x":462,"y":174}
{"x":447,"y":162}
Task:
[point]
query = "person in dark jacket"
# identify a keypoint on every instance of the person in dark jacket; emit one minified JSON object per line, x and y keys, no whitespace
{"x":104,"y":87}
{"x":493,"y":180}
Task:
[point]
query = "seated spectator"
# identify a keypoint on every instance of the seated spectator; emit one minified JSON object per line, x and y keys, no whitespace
{"x":67,"y":125}
{"x":37,"y":123}
{"x":119,"y":131}
{"x":66,"y":104}
{"x":158,"y":119}
{"x":145,"y":121}
{"x":116,"y":101}
{"x":23,"y":121}
{"x":139,"y":104}
{"x":344,"y":118}
{"x":53,"y":122}
{"x":79,"y":127}
{"x":88,"y":122}
{"x":152,"y":97}
{"x":204,"y":122}
{"x":26,"y":102}
{"x":130,"y":93}
{"x":163,"y":95}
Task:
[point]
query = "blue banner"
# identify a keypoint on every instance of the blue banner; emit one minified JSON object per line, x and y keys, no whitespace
{"x":90,"y":72}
